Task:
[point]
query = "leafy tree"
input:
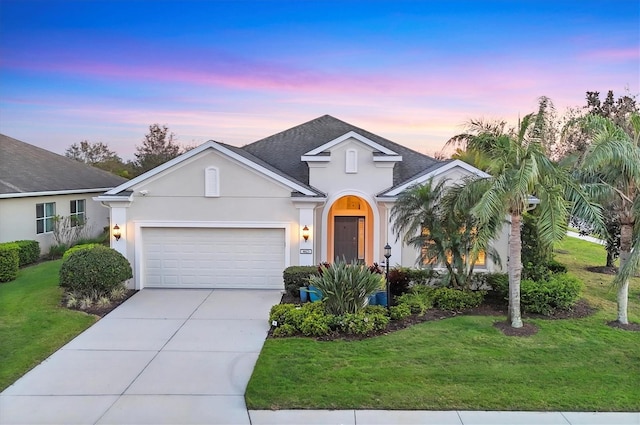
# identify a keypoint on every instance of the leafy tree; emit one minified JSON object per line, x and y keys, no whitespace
{"x":158,"y":147}
{"x":100,"y":156}
{"x":442,"y":232}
{"x":91,"y":153}
{"x":520,"y":169}
{"x":576,"y":140}
{"x":611,"y":168}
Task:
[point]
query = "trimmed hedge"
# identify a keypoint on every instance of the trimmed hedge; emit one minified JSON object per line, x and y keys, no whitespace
{"x":560,"y":292}
{"x":75,"y":248}
{"x":29,"y":252}
{"x":9,"y":261}
{"x":94,"y":272}
{"x":296,"y":276}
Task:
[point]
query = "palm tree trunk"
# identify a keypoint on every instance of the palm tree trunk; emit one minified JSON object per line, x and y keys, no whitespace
{"x":515,"y":271}
{"x":626,"y":235}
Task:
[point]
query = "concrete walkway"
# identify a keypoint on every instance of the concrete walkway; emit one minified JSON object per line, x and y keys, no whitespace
{"x":185,"y":357}
{"x":385,"y":417}
{"x":162,"y":357}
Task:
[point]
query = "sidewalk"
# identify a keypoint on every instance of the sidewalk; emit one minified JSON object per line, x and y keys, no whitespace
{"x":379,"y":417}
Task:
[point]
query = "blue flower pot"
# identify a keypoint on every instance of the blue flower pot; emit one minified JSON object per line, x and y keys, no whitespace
{"x":304,"y":295}
{"x":381,"y":298}
{"x":314,"y":294}
{"x":373,"y":299}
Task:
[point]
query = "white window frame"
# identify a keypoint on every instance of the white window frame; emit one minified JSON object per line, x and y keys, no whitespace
{"x":80,"y":216}
{"x":47,"y":220}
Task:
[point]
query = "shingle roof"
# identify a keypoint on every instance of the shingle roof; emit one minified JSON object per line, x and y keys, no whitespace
{"x":283,"y":150}
{"x":25,"y":168}
{"x":253,"y":158}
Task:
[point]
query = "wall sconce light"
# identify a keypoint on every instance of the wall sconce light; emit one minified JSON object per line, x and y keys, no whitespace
{"x":305,"y":233}
{"x":116,"y":232}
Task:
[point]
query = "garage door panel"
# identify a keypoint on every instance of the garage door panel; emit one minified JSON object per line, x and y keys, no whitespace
{"x":213,"y":257}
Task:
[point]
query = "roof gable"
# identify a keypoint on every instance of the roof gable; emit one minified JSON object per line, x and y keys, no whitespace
{"x":228,"y":151}
{"x":27,"y":170}
{"x":284,"y":150}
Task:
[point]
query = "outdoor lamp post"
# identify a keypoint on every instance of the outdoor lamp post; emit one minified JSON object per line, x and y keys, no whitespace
{"x":387,"y":255}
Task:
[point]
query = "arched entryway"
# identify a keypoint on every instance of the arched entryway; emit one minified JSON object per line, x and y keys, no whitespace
{"x":350,"y":230}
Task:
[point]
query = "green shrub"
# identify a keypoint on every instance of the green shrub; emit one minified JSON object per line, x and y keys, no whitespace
{"x":9,"y":261}
{"x":374,"y":309}
{"x":456,"y":300}
{"x":94,"y":272}
{"x":400,"y":311}
{"x":417,"y":303}
{"x":315,"y":324}
{"x":361,"y":323}
{"x":499,"y":282}
{"x":346,"y":287}
{"x":75,"y":248}
{"x":29,"y":252}
{"x":279,"y":313}
{"x":556,"y":267}
{"x":561,"y":292}
{"x":284,"y":331}
{"x":296,"y":276}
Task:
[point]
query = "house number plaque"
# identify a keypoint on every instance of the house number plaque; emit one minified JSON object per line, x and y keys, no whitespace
{"x":306,"y":251}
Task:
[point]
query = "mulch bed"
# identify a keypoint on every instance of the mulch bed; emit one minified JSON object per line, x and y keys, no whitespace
{"x":633,"y":327}
{"x":603,"y":270}
{"x":103,"y":311}
{"x":492,"y":306}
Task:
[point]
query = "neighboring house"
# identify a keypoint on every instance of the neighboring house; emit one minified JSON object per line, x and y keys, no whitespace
{"x":220,"y":216}
{"x":36,"y":185}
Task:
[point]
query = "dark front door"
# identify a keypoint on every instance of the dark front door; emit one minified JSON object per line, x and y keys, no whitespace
{"x":348,"y":238}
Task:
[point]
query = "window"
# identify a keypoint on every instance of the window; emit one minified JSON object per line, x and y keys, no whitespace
{"x":77,"y":212}
{"x":211,"y":182}
{"x":480,"y":262}
{"x":45,"y":214}
{"x":351,"y":166}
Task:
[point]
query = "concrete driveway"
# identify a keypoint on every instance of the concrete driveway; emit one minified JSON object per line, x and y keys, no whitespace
{"x":163,"y":357}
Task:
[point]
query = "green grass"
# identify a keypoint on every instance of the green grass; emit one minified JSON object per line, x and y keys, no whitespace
{"x":465,"y":363}
{"x":32,"y":323}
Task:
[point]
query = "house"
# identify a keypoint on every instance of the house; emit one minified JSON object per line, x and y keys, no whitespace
{"x":36,"y":185}
{"x":221,"y":216}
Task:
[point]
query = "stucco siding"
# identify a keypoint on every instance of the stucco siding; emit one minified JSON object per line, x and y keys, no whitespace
{"x":187,"y":179}
{"x":18,"y":217}
{"x":369,"y":178}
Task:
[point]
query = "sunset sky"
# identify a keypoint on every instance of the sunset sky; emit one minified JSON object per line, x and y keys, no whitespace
{"x":238,"y":71}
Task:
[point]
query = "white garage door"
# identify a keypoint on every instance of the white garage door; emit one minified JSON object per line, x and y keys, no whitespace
{"x":213,"y":258}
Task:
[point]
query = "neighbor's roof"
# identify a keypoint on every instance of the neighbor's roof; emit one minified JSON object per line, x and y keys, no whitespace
{"x":284,"y":150}
{"x":27,"y":169}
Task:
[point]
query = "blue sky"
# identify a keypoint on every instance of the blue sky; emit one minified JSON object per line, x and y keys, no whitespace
{"x":238,"y":71}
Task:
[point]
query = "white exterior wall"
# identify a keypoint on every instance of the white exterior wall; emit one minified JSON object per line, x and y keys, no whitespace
{"x":501,"y":243}
{"x":18,"y":217}
{"x":176,"y":197}
{"x":332,"y":177}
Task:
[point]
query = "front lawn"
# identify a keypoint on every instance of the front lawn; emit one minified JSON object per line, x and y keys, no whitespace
{"x":32,"y":323}
{"x":465,"y":363}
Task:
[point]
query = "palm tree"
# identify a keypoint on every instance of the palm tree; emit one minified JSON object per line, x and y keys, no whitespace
{"x":611,"y":167}
{"x":521,"y":176}
{"x":441,"y":231}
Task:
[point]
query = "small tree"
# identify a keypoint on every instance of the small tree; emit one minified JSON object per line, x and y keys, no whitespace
{"x":67,"y":230}
{"x":158,"y":147}
{"x":435,"y":222}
